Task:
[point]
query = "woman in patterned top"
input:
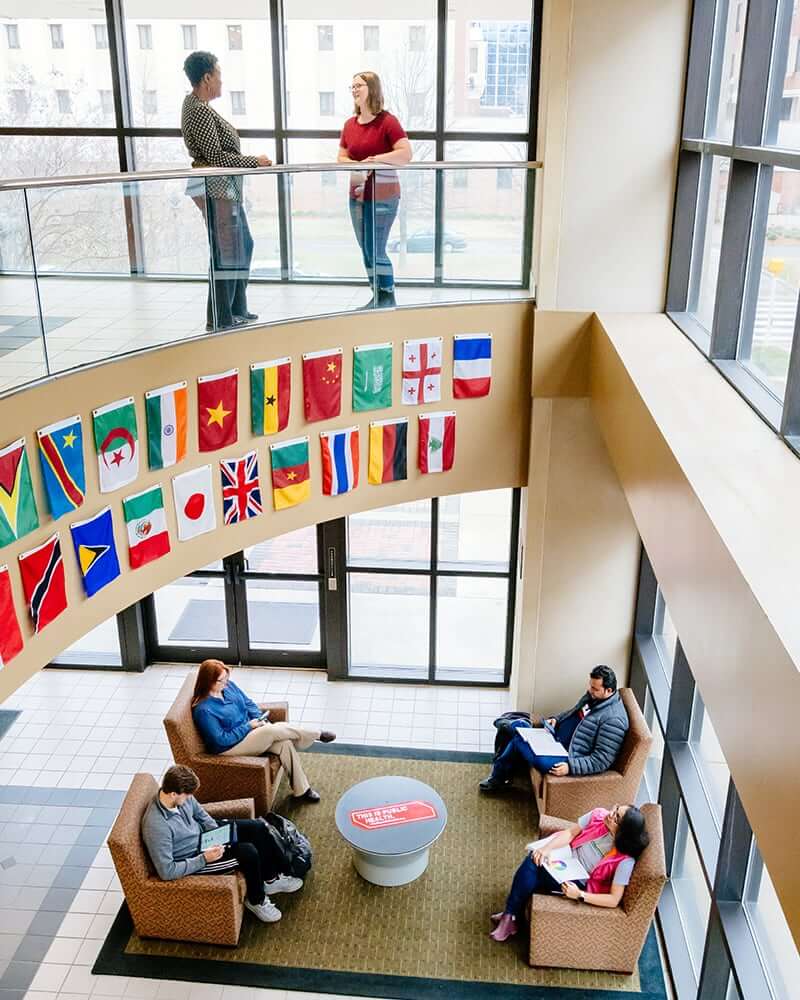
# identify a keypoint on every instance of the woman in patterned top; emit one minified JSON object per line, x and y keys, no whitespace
{"x":214,"y":142}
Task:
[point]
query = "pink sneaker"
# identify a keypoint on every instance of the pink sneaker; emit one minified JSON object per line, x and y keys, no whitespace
{"x":506,"y":928}
{"x":496,"y":917}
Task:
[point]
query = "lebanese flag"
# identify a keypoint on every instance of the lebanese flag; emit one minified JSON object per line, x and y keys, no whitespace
{"x":437,"y":441}
{"x":472,"y":365}
{"x":194,"y":503}
{"x":217,"y":410}
{"x":322,"y":384}
{"x":10,"y":635}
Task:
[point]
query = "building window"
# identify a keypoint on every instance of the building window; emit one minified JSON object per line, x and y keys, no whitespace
{"x":777,"y":949}
{"x":189,"y":32}
{"x":235,"y":37}
{"x":56,"y":36}
{"x":508,"y":55}
{"x":416,"y":105}
{"x":64,"y":102}
{"x":12,"y":36}
{"x":150,"y":102}
{"x":18,"y":99}
{"x":474,"y":59}
{"x":238,"y":104}
{"x":325,"y":37}
{"x":709,"y":758}
{"x":504,"y":179}
{"x":100,"y":36}
{"x":460,"y":178}
{"x":416,"y":38}
{"x":145,"y":36}
{"x":691,"y":890}
{"x":372,"y":37}
{"x":106,"y":103}
{"x":326,"y":103}
{"x":787,"y":107}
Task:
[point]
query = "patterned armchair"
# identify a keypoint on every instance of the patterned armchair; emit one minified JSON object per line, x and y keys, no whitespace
{"x":222,"y":777}
{"x":570,"y":935}
{"x":206,"y":908}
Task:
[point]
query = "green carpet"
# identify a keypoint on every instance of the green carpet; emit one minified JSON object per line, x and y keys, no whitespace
{"x":434,"y":930}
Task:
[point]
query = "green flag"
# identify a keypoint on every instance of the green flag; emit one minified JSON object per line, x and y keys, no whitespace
{"x":18,"y":513}
{"x":117,"y":444}
{"x":372,"y":377}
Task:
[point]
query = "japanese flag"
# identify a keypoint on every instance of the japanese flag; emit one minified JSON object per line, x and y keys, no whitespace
{"x":194,"y":503}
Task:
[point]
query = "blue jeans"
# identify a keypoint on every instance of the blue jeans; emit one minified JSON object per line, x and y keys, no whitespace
{"x":528,"y":878}
{"x":518,"y":752}
{"x":372,"y":221}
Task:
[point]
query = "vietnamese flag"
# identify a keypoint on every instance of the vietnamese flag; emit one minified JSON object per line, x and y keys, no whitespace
{"x":217,"y":411}
{"x":322,"y":384}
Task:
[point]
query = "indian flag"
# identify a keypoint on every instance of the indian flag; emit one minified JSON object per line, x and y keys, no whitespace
{"x":270,"y":393}
{"x":166,"y":425}
{"x":146,"y":521}
{"x":291,"y":483}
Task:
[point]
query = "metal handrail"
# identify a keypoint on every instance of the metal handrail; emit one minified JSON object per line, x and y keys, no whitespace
{"x":83,"y":180}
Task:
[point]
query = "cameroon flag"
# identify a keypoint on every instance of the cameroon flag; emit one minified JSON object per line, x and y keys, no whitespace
{"x":291,"y":483}
{"x":270,"y":392}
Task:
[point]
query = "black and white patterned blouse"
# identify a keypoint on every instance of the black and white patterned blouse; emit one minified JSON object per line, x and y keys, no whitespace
{"x":212,"y":142}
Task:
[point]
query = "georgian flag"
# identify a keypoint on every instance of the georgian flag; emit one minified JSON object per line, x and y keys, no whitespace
{"x":472,"y":365}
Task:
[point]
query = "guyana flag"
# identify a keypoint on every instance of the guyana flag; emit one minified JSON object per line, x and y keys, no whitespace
{"x":291,"y":483}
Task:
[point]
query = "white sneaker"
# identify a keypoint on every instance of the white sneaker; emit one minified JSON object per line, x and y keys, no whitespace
{"x":267,"y":912}
{"x":283,"y":883}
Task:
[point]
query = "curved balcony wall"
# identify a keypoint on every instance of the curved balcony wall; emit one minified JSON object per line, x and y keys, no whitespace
{"x":491,"y":445}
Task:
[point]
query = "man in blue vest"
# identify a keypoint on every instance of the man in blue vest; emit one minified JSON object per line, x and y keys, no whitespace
{"x":592,"y":733}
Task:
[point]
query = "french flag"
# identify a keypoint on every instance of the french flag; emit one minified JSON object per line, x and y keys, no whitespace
{"x":472,"y":365}
{"x":339,"y":461}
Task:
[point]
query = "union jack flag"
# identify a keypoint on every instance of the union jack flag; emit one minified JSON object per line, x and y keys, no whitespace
{"x":241,"y":490}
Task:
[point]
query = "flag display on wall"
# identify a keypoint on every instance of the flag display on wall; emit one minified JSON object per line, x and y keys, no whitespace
{"x":217,"y":410}
{"x":194,"y":503}
{"x":18,"y":514}
{"x":10,"y":635}
{"x":116,"y":442}
{"x":96,"y":551}
{"x":387,"y":451}
{"x":291,"y":482}
{"x":437,"y":441}
{"x":146,"y":521}
{"x":372,"y":377}
{"x":241,"y":489}
{"x":166,"y":410}
{"x":61,"y":459}
{"x":42,"y":573}
{"x":472,"y":365}
{"x":422,"y":370}
{"x":340,"y":458}
{"x":270,"y":395}
{"x":322,"y":384}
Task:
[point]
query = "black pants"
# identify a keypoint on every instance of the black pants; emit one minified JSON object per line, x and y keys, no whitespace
{"x":255,"y":853}
{"x":231,"y":253}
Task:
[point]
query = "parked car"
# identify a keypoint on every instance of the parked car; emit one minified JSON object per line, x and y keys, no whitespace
{"x":272,"y":269}
{"x":423,"y":240}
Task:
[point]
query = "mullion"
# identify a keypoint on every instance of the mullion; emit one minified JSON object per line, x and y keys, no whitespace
{"x":434,"y":588}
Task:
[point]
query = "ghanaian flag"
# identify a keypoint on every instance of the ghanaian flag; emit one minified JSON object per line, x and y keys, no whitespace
{"x":291,"y":482}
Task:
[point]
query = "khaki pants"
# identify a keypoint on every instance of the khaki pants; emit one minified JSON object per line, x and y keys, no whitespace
{"x":284,"y":740}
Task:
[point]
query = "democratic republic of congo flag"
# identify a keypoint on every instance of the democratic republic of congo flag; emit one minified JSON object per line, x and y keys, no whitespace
{"x":291,"y":483}
{"x":387,"y":451}
{"x":63,"y":472}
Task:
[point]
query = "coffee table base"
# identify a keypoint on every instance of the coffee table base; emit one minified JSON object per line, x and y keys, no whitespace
{"x":388,"y":870}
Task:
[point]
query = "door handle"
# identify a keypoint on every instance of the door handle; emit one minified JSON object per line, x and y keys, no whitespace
{"x":332,"y":582}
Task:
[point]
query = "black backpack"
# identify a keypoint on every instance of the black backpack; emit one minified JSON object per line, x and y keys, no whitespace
{"x":292,"y":845}
{"x":505,"y":733}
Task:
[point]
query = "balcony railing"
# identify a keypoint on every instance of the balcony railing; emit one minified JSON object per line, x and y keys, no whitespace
{"x":95,"y":267}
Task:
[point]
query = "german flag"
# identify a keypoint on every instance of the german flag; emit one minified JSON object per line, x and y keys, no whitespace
{"x":388,"y":451}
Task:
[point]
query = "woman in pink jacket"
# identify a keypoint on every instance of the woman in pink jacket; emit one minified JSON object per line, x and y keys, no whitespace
{"x":607,"y":843}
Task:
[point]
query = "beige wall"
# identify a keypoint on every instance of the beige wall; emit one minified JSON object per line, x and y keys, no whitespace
{"x":491,"y":445}
{"x":609,"y":114}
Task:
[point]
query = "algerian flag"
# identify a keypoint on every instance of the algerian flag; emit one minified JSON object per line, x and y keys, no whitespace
{"x":117,"y":444}
{"x":372,"y":377}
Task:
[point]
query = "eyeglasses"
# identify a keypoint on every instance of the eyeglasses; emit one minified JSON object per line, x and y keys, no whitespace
{"x":356,"y":86}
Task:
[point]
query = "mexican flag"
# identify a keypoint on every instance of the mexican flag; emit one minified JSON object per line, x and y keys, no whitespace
{"x":116,"y":441}
{"x":146,"y":521}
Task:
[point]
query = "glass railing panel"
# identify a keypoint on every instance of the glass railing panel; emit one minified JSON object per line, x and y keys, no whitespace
{"x":411,"y":241}
{"x":22,"y":355}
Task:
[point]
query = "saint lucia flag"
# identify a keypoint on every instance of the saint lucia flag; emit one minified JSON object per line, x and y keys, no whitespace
{"x":95,"y":550}
{"x":339,"y":461}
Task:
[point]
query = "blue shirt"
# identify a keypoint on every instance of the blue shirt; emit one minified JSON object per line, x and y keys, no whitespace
{"x":224,"y":722}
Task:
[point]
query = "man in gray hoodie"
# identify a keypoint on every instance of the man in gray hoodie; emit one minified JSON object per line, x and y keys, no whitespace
{"x":171,"y":828}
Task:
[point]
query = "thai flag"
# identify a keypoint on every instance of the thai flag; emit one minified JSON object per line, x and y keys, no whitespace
{"x":472,"y":365}
{"x":339,"y":461}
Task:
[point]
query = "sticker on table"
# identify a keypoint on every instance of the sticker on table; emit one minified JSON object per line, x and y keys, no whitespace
{"x":396,"y":814}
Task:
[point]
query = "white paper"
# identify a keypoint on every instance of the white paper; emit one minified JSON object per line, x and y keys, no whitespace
{"x":541,"y":742}
{"x":561,"y":863}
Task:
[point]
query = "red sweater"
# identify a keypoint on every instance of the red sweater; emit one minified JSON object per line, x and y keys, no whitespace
{"x":373,"y":139}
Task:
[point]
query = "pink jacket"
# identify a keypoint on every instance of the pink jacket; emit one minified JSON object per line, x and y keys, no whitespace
{"x":601,"y":876}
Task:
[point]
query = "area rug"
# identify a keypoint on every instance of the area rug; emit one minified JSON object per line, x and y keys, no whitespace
{"x":278,"y":622}
{"x":342,"y":935}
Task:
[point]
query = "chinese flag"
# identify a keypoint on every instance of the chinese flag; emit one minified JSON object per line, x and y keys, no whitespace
{"x":322,"y":384}
{"x":217,"y":414}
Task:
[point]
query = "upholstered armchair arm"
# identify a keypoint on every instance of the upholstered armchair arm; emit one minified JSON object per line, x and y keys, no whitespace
{"x":201,"y":887}
{"x":583,"y":781}
{"x":551,"y":824}
{"x":222,"y":764}
{"x":278,"y":710}
{"x":232,"y":809}
{"x":603,"y":918}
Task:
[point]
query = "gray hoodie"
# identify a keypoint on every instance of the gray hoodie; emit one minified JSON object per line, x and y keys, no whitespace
{"x":172,"y":837}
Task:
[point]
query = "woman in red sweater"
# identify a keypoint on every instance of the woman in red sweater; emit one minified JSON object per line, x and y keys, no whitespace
{"x":374,"y":136}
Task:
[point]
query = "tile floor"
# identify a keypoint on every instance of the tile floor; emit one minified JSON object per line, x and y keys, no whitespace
{"x":100,"y":318}
{"x":81,"y":736}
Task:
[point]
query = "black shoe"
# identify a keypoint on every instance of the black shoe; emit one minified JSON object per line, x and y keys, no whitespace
{"x":491,"y":784}
{"x":247,"y":318}
{"x":386,"y":299}
{"x":326,"y":736}
{"x":310,"y":796}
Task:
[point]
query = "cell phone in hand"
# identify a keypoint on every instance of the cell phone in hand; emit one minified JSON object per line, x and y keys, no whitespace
{"x":264,"y":717}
